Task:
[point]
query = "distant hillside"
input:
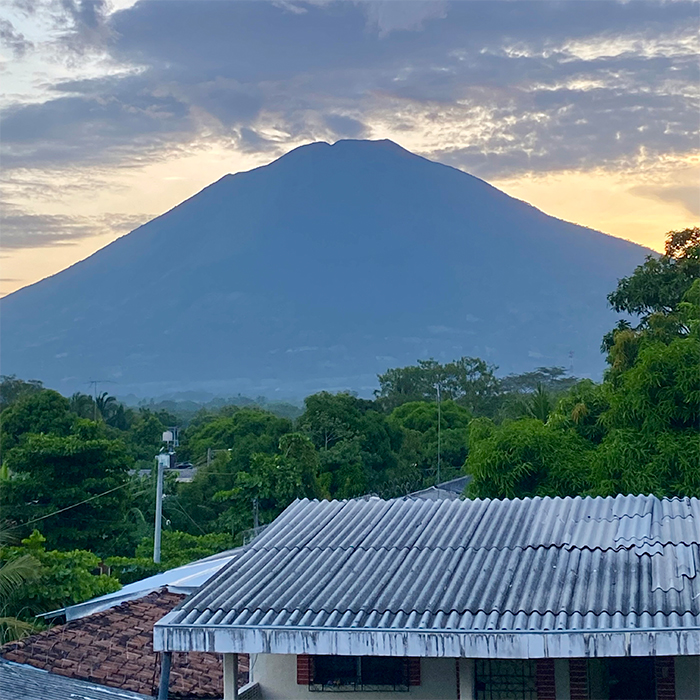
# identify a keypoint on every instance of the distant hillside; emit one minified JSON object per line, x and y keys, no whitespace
{"x":318,"y":271}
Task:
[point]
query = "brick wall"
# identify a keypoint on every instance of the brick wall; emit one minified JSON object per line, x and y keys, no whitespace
{"x":303,"y":669}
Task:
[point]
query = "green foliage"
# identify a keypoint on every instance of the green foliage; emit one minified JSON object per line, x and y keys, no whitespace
{"x":177,"y":549}
{"x":525,"y":458}
{"x":356,"y":444}
{"x":58,"y":579}
{"x":637,"y":461}
{"x":273,"y":482}
{"x":418,"y":422}
{"x":639,"y":429}
{"x":663,"y":293}
{"x":44,"y":412}
{"x":234,"y":437}
{"x":51,"y":472}
{"x":658,"y":286}
{"x":12,"y":389}
{"x":581,"y":409}
{"x":469,"y":381}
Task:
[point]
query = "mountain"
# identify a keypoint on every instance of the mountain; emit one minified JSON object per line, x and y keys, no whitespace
{"x":320,"y":270}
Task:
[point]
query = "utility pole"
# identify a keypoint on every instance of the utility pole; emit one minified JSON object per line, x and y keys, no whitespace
{"x":165,"y":460}
{"x":439,"y":435}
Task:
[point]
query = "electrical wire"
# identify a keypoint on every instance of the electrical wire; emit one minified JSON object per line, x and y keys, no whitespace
{"x":75,"y":505}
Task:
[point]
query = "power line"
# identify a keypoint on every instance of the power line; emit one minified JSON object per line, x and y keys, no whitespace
{"x":184,"y":512}
{"x":75,"y":505}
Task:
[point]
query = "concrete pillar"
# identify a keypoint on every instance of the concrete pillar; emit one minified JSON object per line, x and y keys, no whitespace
{"x":165,"y":660}
{"x":561,"y":679}
{"x":467,"y":690}
{"x":230,"y":676}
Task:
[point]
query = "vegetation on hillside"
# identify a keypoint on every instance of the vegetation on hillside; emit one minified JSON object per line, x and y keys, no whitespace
{"x":76,"y":479}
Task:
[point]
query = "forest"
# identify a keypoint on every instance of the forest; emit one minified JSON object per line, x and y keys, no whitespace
{"x":77,"y":473}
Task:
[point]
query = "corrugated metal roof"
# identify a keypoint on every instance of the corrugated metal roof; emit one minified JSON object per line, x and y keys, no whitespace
{"x":183,"y":579}
{"x":21,"y":682}
{"x":561,"y":564}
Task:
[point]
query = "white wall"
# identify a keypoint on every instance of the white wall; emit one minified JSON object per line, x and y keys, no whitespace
{"x":277,"y":676}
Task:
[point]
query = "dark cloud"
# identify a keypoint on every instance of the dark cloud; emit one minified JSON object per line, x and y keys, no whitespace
{"x":13,"y":39}
{"x":345,"y":127}
{"x":24,"y":230}
{"x":517,"y":85}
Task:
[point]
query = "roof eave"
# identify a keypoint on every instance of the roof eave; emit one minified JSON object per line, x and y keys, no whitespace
{"x":517,"y":644}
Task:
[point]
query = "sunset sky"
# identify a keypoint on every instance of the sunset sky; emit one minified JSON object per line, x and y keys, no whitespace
{"x":115,"y":112}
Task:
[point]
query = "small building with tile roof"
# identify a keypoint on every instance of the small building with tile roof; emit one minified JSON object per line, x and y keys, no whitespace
{"x":114,"y":648}
{"x":526,"y":599}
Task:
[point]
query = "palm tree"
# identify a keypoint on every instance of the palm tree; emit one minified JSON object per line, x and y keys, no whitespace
{"x":13,"y":575}
{"x":82,"y":405}
{"x":539,"y":405}
{"x":105,"y":405}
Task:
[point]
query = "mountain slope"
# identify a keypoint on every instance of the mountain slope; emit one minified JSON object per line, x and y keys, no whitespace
{"x":320,"y":270}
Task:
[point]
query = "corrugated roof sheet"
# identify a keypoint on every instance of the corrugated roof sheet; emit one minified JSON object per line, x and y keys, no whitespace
{"x":414,"y":564}
{"x":20,"y":682}
{"x":183,"y":579}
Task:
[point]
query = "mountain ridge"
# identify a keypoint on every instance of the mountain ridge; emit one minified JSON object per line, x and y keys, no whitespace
{"x":288,"y":258}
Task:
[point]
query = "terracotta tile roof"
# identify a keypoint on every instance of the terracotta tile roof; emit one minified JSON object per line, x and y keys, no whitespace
{"x":115,"y":648}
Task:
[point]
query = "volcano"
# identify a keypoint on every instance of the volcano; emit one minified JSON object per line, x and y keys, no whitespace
{"x":318,"y":271}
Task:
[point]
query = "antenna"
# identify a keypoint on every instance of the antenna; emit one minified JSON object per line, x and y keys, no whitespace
{"x":439,"y":435}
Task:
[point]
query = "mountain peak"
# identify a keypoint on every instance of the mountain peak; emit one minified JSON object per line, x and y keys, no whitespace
{"x":319,"y":271}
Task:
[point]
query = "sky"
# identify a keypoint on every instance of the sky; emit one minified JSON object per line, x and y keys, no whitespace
{"x":114,"y":112}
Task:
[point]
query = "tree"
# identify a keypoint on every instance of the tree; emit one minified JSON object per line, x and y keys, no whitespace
{"x":57,"y":578}
{"x":12,"y":389}
{"x":106,"y":406}
{"x":655,"y":293}
{"x":45,"y":412}
{"x":234,"y":437}
{"x":273,"y":482}
{"x":356,"y":445}
{"x":15,"y":572}
{"x":177,"y":549}
{"x":525,"y":458}
{"x":52,"y":472}
{"x":469,"y":381}
{"x":83,"y":405}
{"x":659,"y":284}
{"x":418,"y":422}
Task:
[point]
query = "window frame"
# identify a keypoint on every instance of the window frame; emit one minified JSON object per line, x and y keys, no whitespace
{"x":358,"y":685}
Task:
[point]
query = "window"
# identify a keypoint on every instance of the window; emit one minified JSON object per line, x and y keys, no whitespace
{"x":501,"y":679}
{"x":367,"y":673}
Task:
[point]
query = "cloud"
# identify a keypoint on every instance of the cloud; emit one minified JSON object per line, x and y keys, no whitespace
{"x":495,"y":88}
{"x":12,"y":39}
{"x":391,"y":15}
{"x":345,"y":127}
{"x":21,"y":229}
{"x":687,"y":195}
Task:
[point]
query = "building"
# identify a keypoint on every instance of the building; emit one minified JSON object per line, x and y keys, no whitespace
{"x":105,"y":647}
{"x":533,"y":599}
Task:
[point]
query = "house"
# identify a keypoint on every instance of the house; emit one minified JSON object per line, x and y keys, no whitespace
{"x":114,"y":648}
{"x":532,"y":599}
